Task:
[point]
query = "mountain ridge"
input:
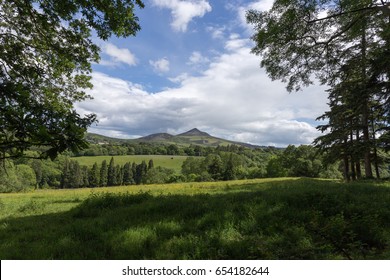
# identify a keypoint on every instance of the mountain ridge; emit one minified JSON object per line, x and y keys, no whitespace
{"x":190,"y":137}
{"x":194,"y":132}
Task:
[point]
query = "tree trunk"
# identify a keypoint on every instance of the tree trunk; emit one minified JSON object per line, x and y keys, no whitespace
{"x":353,"y":172}
{"x":358,"y":166}
{"x":346,"y":169}
{"x":365,"y":110}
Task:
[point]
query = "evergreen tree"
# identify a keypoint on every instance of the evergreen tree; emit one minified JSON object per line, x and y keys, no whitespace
{"x":140,"y":173}
{"x":76,"y":176}
{"x":85,"y":175}
{"x":150,"y":164}
{"x":128,"y":174}
{"x":94,"y":176}
{"x":103,"y":174}
{"x":111,"y":173}
{"x":349,"y":50}
{"x":134,"y":170}
{"x":65,"y":176}
{"x":119,"y":175}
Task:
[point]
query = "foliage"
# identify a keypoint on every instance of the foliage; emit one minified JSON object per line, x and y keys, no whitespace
{"x":45,"y":61}
{"x":16,"y":178}
{"x":345,"y":45}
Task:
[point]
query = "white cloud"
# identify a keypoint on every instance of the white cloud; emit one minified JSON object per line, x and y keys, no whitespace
{"x":183,"y":11}
{"x":197,"y":58}
{"x":259,"y":5}
{"x":161,"y":65}
{"x":233,"y":98}
{"x":182,"y":77}
{"x":216,"y":32}
{"x":117,"y":55}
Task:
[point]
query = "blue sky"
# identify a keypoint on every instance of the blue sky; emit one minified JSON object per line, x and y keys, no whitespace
{"x":191,"y":66}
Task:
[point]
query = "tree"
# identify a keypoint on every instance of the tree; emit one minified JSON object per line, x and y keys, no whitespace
{"x":336,"y":42}
{"x":230,"y":169}
{"x":215,"y":166}
{"x":46,"y":53}
{"x":103,"y":174}
{"x":150,"y":164}
{"x":65,"y":176}
{"x":112,"y":173}
{"x":140,"y":173}
{"x":94,"y":176}
{"x":127,"y":174}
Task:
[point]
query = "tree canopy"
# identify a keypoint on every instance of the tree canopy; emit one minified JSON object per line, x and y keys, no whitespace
{"x":46,"y":51}
{"x":343,"y":44}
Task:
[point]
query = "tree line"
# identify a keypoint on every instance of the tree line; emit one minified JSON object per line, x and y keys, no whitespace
{"x":75,"y":175}
{"x":221,"y":163}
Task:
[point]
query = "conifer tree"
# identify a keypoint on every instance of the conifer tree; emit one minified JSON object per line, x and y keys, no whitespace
{"x":111,"y":173}
{"x":94,"y":176}
{"x":150,"y":164}
{"x":345,"y":45}
{"x":103,"y":174}
{"x":127,"y":174}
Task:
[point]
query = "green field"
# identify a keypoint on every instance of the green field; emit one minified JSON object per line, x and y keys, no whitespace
{"x":253,"y":219}
{"x":172,"y":162}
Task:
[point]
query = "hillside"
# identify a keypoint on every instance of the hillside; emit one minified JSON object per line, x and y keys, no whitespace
{"x":191,"y":137}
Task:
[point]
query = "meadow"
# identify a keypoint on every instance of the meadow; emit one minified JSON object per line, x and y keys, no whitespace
{"x":172,"y":162}
{"x":283,"y":218}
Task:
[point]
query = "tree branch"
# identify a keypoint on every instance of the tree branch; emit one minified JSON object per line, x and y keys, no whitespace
{"x":385,"y":8}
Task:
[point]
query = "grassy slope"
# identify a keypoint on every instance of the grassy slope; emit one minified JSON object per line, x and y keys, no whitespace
{"x":261,"y":219}
{"x":173,"y":162}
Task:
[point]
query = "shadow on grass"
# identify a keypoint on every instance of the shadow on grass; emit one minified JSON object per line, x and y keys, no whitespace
{"x":301,"y":219}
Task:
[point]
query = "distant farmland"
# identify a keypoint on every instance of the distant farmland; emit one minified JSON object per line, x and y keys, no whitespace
{"x":172,"y":162}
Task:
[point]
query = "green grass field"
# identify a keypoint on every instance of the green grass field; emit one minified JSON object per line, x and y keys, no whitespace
{"x":252,"y":219}
{"x":172,"y":162}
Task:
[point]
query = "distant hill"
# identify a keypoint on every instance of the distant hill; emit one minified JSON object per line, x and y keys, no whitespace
{"x":191,"y":137}
{"x":157,"y":137}
{"x":195,"y":132}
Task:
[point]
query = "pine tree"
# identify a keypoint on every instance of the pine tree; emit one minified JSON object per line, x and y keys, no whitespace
{"x":128,"y":174}
{"x":150,"y":164}
{"x":94,"y":176}
{"x":141,"y":170}
{"x":119,"y":175}
{"x":76,"y":176}
{"x":111,"y":174}
{"x":65,"y":176}
{"x":103,"y":174}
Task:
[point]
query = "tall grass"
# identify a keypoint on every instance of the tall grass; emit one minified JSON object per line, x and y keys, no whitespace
{"x":258,"y":219}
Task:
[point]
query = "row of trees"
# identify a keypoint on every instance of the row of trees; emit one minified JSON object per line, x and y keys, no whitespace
{"x":346,"y":46}
{"x":65,"y":172}
{"x":302,"y":161}
{"x":102,"y":175}
{"x":144,"y":148}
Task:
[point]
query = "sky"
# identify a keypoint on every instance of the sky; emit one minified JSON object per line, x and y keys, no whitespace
{"x":191,"y":66}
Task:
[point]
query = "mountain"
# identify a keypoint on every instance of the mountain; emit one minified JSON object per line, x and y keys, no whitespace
{"x":195,"y":132}
{"x":157,"y":137}
{"x":191,"y":137}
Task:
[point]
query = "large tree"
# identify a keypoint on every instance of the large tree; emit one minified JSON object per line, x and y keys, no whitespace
{"x":46,"y":53}
{"x":300,"y":40}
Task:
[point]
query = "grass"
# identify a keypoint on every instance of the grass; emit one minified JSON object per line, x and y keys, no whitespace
{"x":252,"y":219}
{"x":173,"y":162}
